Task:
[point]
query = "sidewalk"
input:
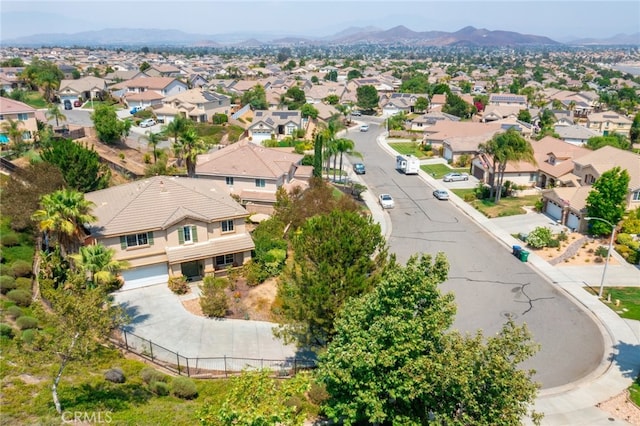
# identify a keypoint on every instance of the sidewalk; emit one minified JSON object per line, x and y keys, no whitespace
{"x":575,"y":403}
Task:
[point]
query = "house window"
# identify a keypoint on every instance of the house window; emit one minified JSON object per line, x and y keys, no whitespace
{"x":1,"y":117}
{"x":229,"y":180}
{"x":227,"y":226}
{"x":589,"y":179}
{"x":635,"y":196}
{"x":136,"y":240}
{"x":260,"y":183}
{"x":187,"y":234}
{"x":227,"y":259}
{"x":23,"y":117}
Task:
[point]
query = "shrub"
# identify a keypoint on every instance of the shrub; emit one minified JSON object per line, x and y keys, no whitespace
{"x":318,"y":393}
{"x":7,"y":283}
{"x":23,"y":283}
{"x":539,"y":205}
{"x":21,"y":268}
{"x":150,"y":375}
{"x":602,"y":251}
{"x":631,"y":226}
{"x":159,"y":388}
{"x":6,"y":331}
{"x":114,"y":375}
{"x":10,"y":239}
{"x":628,"y":241}
{"x":21,"y":297}
{"x":562,"y":236}
{"x":628,"y":253}
{"x":539,"y":237}
{"x":183,"y":387}
{"x":178,"y":284}
{"x":553,"y":243}
{"x":213,"y":299}
{"x":469,"y":197}
{"x":29,"y":335}
{"x":26,"y":322}
{"x":14,"y":312}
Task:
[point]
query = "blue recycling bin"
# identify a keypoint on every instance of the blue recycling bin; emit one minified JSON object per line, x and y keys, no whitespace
{"x":516,"y":251}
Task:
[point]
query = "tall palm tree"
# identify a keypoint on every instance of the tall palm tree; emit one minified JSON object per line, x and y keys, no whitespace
{"x":177,"y":126}
{"x":153,"y":139}
{"x":508,"y":147}
{"x":345,"y":146}
{"x":53,"y":112}
{"x":190,"y":146}
{"x":62,"y":217}
{"x":13,"y":129}
{"x":329,"y":133}
{"x":99,"y":263}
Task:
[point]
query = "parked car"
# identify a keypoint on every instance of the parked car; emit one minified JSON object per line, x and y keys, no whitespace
{"x":77,"y":103}
{"x":359,"y":169}
{"x":134,"y":110}
{"x":67,"y":104}
{"x":441,"y":194}
{"x":356,"y":113}
{"x":455,"y":176}
{"x":386,"y":201}
{"x":364,"y":128}
{"x":148,"y":122}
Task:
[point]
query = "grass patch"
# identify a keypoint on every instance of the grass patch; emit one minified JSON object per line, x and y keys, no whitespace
{"x":509,"y":206}
{"x":406,"y":148}
{"x":634,"y":392}
{"x":439,"y":170}
{"x":629,"y":298}
{"x":35,"y":100}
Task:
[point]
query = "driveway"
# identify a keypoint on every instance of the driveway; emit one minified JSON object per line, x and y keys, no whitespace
{"x":158,"y":315}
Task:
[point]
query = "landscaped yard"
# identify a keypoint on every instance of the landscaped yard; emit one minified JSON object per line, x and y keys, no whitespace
{"x":508,"y":206}
{"x":439,"y":170}
{"x":406,"y":148}
{"x":35,"y":100}
{"x":629,"y":298}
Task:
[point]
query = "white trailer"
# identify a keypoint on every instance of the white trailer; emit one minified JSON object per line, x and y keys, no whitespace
{"x":408,"y":164}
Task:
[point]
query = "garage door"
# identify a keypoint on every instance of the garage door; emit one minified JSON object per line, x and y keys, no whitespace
{"x":573,"y":221}
{"x":554,"y":210}
{"x":145,"y":276}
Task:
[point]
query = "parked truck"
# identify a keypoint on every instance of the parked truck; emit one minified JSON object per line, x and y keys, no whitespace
{"x":408,"y":164}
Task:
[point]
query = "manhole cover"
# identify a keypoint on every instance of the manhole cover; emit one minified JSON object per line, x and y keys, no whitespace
{"x":508,"y":315}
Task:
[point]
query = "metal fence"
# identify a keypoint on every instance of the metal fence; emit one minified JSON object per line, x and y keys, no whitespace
{"x":211,"y":367}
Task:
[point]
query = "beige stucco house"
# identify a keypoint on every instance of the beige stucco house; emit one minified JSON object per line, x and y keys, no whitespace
{"x":18,"y":112}
{"x":170,"y":226}
{"x":608,"y":123}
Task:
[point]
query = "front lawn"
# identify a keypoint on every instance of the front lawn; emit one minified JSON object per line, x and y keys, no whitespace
{"x":406,"y":148}
{"x":35,"y":99}
{"x":508,"y":206}
{"x":629,"y":298}
{"x":439,"y":170}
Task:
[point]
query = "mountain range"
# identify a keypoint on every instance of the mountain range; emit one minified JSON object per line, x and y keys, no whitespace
{"x":468,"y":36}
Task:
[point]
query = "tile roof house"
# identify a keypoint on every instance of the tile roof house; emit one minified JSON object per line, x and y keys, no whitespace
{"x":555,"y":160}
{"x":170,"y":226}
{"x":393,"y":103}
{"x":574,"y":133}
{"x":146,"y":91}
{"x":423,"y":121}
{"x":84,"y":88}
{"x":608,"y":123}
{"x":17,"y":111}
{"x":254,"y":173}
{"x":196,"y":104}
{"x":508,"y":99}
{"x":279,"y":123}
{"x":567,"y":204}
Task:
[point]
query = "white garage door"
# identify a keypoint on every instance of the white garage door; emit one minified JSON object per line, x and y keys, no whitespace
{"x":554,"y":210}
{"x":573,"y":221}
{"x":145,"y":276}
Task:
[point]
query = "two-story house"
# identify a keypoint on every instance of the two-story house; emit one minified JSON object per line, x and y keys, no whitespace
{"x":609,"y":123}
{"x":254,"y":173}
{"x":276,"y":124}
{"x":22,"y":114}
{"x":147,"y":91}
{"x":170,"y":226}
{"x":196,"y":104}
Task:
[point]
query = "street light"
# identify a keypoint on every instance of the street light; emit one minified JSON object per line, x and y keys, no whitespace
{"x":606,"y":263}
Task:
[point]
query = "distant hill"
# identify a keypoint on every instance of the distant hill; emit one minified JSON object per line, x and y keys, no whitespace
{"x":468,"y":36}
{"x":616,"y":40}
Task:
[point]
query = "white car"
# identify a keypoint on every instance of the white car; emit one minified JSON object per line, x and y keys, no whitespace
{"x":441,"y":194}
{"x":455,"y":176}
{"x":364,"y":128}
{"x":386,"y":201}
{"x":148,"y":122}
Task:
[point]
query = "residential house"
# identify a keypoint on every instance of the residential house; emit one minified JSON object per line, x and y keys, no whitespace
{"x":254,"y":173}
{"x":274,"y":124}
{"x":423,"y":121}
{"x":170,"y":226}
{"x":317,"y":93}
{"x":508,"y":99}
{"x":609,"y":123}
{"x":18,"y":112}
{"x":445,"y":129}
{"x":567,"y":205}
{"x":393,"y":103}
{"x":196,"y":104}
{"x":82,"y":89}
{"x":574,"y":133}
{"x":147,"y":91}
{"x":555,"y":162}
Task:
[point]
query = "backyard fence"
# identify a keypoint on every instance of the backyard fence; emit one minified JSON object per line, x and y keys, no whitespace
{"x":209,"y":367}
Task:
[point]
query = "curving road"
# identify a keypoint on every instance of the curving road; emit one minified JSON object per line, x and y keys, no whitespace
{"x":489,"y":283}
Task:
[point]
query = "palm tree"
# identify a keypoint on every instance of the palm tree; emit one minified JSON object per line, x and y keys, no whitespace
{"x":153,"y":139}
{"x":99,"y":263}
{"x":507,"y":147}
{"x":53,"y":112}
{"x":329,"y":133}
{"x":13,"y":129}
{"x":344,"y":146}
{"x":62,"y":217}
{"x":177,"y":126}
{"x":190,"y":145}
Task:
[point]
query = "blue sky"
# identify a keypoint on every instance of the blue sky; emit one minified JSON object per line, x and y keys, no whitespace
{"x":560,"y":20}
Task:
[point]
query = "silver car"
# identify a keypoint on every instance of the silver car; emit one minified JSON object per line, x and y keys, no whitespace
{"x":455,"y":177}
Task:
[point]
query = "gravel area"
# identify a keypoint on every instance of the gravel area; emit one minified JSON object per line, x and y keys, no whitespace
{"x":622,"y":408}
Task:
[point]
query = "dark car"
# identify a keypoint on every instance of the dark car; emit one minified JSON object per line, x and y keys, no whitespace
{"x":67,"y":104}
{"x":359,"y":169}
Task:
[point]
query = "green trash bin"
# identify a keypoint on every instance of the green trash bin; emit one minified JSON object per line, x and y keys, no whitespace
{"x":524,"y":255}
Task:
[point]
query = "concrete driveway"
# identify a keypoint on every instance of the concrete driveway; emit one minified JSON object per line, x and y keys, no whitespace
{"x":158,"y":315}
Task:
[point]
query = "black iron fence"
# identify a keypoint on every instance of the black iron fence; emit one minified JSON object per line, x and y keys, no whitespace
{"x":206,"y":368}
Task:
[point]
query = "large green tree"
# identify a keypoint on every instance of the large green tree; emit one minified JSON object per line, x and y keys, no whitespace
{"x":42,"y":75}
{"x":395,"y":360}
{"x":108,"y":127}
{"x":336,"y":256}
{"x":608,"y":199}
{"x":80,"y":166}
{"x":634,"y":133}
{"x":62,"y":217}
{"x":455,"y":105}
{"x":367,"y":97}
{"x":422,"y":104}
{"x":256,"y":97}
{"x":615,"y":140}
{"x":295,"y":98}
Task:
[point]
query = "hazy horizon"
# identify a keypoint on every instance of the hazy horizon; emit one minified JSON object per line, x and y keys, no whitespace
{"x":560,"y":21}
